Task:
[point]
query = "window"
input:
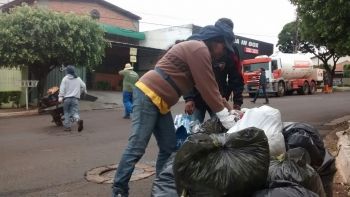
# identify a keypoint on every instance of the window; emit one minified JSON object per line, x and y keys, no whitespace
{"x":274,"y":65}
{"x":256,"y":67}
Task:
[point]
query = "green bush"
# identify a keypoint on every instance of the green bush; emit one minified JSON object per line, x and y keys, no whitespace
{"x":347,"y":67}
{"x":103,"y":85}
{"x":346,"y":73}
{"x":6,"y":97}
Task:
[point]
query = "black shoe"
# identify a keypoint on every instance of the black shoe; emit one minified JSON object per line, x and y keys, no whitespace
{"x":266,"y":102}
{"x":80,"y":125}
{"x":126,"y":117}
{"x":252,"y":101}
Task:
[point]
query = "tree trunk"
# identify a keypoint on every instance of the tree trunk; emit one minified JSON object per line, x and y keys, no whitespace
{"x":330,"y":76}
{"x":41,"y":85}
{"x":40,"y":73}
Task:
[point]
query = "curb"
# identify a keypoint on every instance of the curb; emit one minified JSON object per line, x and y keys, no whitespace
{"x":35,"y":111}
{"x":341,"y":89}
{"x":19,"y":113}
{"x":338,"y":122}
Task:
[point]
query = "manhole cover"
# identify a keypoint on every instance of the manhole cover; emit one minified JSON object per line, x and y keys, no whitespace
{"x":105,"y":174}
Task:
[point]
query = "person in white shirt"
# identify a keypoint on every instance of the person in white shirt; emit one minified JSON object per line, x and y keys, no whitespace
{"x":70,"y":90}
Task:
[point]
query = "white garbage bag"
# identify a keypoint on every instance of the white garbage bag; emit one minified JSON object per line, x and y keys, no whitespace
{"x":269,"y":120}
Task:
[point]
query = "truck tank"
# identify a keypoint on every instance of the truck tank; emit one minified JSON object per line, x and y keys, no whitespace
{"x":294,"y":66}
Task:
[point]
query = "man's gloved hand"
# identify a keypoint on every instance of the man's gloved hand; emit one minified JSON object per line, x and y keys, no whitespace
{"x":227,"y":120}
{"x":60,"y":99}
{"x":237,"y":113}
{"x":189,"y":107}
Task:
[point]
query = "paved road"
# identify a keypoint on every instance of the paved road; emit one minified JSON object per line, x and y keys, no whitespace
{"x":39,"y":159}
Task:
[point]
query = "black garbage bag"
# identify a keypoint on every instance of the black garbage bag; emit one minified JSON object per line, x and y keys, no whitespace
{"x":234,"y":164}
{"x":164,"y":183}
{"x":212,"y":125}
{"x":295,"y":168}
{"x":327,"y":172}
{"x":284,"y":189}
{"x":305,"y":136}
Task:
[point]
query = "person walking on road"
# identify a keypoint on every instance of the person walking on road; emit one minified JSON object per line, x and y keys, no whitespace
{"x":70,"y":90}
{"x":262,"y":86}
{"x":130,"y":77}
{"x":186,"y":64}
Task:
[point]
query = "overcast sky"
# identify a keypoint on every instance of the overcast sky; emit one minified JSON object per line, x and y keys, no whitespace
{"x":258,"y":19}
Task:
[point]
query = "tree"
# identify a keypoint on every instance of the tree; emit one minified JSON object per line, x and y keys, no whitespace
{"x":43,"y":39}
{"x":288,"y":38}
{"x":325,"y":29}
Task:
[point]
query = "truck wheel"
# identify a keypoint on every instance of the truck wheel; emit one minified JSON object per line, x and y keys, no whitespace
{"x":57,"y":120}
{"x":251,"y":95}
{"x":59,"y":123}
{"x":312,"y":88}
{"x":280,"y":89}
{"x":305,"y":89}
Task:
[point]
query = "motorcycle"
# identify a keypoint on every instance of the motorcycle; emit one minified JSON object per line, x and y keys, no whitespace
{"x":49,"y":105}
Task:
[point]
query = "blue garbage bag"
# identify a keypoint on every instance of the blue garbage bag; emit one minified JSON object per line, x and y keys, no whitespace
{"x":182,"y":124}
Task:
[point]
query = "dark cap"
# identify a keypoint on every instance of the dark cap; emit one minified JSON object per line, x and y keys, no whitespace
{"x":226,"y":26}
{"x":71,"y":70}
{"x":222,"y":28}
{"x":226,"y":21}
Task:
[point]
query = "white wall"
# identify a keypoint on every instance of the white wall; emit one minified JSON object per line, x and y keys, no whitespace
{"x":164,"y":38}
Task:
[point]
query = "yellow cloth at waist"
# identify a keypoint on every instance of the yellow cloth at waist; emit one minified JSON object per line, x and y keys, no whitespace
{"x":155,"y":98}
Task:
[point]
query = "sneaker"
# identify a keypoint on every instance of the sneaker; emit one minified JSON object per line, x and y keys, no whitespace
{"x":126,"y":117}
{"x":252,"y":101}
{"x":80,"y":125}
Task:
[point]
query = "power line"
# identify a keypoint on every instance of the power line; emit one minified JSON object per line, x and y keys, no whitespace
{"x":169,"y":25}
{"x":182,"y":26}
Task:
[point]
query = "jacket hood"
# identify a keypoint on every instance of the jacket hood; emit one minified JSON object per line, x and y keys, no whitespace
{"x":69,"y":76}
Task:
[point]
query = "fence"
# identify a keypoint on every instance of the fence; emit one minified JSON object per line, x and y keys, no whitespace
{"x":55,"y":77}
{"x":10,"y":79}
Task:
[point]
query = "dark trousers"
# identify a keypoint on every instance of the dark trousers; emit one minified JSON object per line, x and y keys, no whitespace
{"x":264,"y":92}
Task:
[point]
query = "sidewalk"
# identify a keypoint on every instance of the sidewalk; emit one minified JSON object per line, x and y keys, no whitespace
{"x":106,"y":100}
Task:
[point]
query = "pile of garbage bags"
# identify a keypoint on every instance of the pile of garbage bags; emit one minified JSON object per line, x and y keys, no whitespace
{"x":222,"y":164}
{"x":260,"y":156}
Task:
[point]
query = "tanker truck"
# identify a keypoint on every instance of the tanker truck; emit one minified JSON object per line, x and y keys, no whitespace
{"x":285,"y":73}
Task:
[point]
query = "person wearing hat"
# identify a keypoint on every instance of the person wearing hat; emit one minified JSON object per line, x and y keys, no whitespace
{"x":183,"y":66}
{"x":70,"y":90}
{"x":129,"y":79}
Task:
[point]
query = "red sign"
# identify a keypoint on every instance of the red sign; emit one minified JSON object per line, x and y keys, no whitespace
{"x":251,"y":50}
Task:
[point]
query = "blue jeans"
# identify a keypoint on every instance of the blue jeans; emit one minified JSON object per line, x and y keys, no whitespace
{"x":199,"y":114}
{"x":146,"y":119}
{"x":127,"y":101}
{"x":71,"y":111}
